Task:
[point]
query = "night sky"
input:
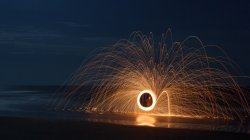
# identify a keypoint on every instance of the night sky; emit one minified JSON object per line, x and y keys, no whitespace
{"x":43,"y":41}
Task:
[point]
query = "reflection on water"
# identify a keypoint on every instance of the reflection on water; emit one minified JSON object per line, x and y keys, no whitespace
{"x":34,"y":103}
{"x":144,"y":120}
{"x":169,"y":122}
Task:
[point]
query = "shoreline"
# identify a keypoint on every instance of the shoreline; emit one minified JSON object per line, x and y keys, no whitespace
{"x":34,"y":128}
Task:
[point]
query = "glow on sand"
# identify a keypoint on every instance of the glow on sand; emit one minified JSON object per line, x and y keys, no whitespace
{"x":143,"y":120}
{"x":178,"y":79}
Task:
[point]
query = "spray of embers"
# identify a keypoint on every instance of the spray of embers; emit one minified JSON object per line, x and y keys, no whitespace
{"x":140,"y":76}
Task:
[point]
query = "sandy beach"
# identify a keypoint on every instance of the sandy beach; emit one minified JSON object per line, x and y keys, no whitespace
{"x":33,"y":128}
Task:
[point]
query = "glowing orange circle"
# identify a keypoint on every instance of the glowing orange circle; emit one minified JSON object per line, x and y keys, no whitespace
{"x":152,"y":94}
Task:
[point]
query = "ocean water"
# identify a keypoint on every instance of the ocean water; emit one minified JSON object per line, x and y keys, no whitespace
{"x":38,"y":102}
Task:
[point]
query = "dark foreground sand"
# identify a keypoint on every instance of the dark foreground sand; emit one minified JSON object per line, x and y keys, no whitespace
{"x":46,"y":129}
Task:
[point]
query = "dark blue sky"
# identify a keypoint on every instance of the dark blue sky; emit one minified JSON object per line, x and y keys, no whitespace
{"x":43,"y":41}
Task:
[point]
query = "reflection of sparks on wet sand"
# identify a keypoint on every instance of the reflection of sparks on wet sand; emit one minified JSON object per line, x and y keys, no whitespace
{"x":168,"y":122}
{"x":145,"y":120}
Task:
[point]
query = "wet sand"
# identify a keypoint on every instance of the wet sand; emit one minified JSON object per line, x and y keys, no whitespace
{"x":34,"y":128}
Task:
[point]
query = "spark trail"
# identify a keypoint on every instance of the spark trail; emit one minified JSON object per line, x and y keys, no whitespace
{"x":179,"y":79}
